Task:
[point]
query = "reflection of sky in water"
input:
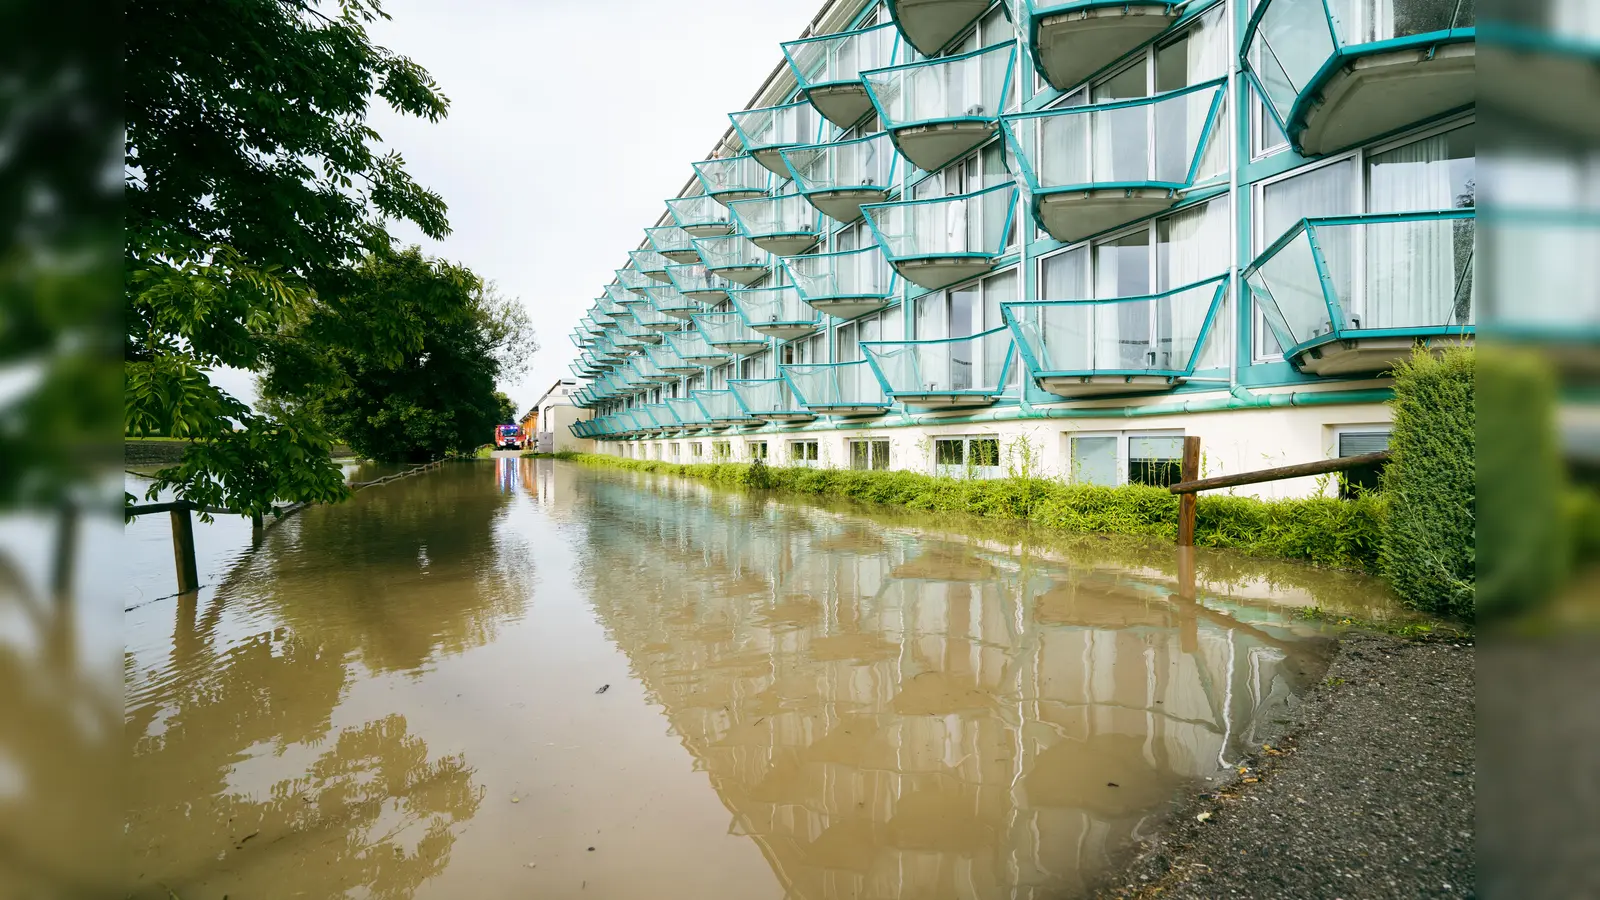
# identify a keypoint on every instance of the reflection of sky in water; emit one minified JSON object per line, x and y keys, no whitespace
{"x":878,"y":710}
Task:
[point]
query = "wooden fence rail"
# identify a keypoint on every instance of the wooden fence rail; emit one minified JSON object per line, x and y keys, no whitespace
{"x":1190,"y":483}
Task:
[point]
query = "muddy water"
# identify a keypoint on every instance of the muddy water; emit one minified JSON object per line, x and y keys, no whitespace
{"x":521,"y":678}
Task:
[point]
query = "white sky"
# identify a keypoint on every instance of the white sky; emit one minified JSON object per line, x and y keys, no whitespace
{"x":570,"y":122}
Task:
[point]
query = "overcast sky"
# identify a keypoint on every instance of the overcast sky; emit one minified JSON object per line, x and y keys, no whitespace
{"x":570,"y":123}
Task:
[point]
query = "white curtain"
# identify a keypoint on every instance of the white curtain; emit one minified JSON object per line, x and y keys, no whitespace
{"x":1196,"y":248}
{"x":1410,"y":266}
{"x":1208,"y":59}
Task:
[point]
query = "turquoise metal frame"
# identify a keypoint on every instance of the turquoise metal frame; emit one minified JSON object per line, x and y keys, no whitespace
{"x":1016,"y":318}
{"x":1029,"y":12}
{"x":740,"y":175}
{"x":775,"y":306}
{"x":732,"y":252}
{"x":669,"y":301}
{"x":650,"y":263}
{"x":688,"y":413}
{"x":721,"y":407}
{"x":1339,"y":55}
{"x":893,"y":124}
{"x":633,"y":279}
{"x":814,"y":61}
{"x":764,"y":397}
{"x":804,"y":175}
{"x":667,"y":360}
{"x":876,"y":358}
{"x":779,"y":216}
{"x":693,"y":345}
{"x":1340,"y":329}
{"x":729,"y":328}
{"x":699,"y":211}
{"x":672,"y":241}
{"x":757,"y":129}
{"x":1020,"y":148}
{"x":825,"y":286}
{"x":885,"y":241}
{"x":697,"y":280}
{"x":663,"y":416}
{"x":895,"y":18}
{"x":820,"y":386}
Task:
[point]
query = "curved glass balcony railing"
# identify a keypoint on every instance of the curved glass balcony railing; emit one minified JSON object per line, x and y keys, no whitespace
{"x":721,"y":408}
{"x":838,"y":178}
{"x":735,"y":258}
{"x":635,"y":423}
{"x":644,"y":365}
{"x":697,"y":284}
{"x":651,"y":263}
{"x":602,"y":319}
{"x":769,"y":400}
{"x":667,"y":360}
{"x":1073,"y":39}
{"x":673,"y":243}
{"x":728,"y":333}
{"x":617,"y":300}
{"x":838,"y":389}
{"x":700,"y":215}
{"x":828,"y":69}
{"x":605,"y":352}
{"x":733,"y":178}
{"x":688,"y":413}
{"x":662,"y":415}
{"x":763,"y":132}
{"x":944,"y":240}
{"x":783,"y":225}
{"x":1354,"y":294}
{"x":1092,"y":168}
{"x":647,"y":315}
{"x":632,"y":378}
{"x":1084,"y":348}
{"x":1336,"y":73}
{"x":693,"y":348}
{"x":634,"y":331}
{"x":667,"y":300}
{"x":938,"y":110}
{"x":928,"y":25}
{"x":580,"y":339}
{"x":583,"y":428}
{"x":633,"y":279}
{"x":777,"y":312}
{"x":846,"y":284}
{"x":948,"y":372}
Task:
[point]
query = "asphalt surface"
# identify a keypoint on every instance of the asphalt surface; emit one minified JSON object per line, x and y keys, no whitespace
{"x":1370,"y":793}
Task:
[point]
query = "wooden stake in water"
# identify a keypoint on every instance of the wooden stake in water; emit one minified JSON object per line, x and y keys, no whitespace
{"x":1190,"y":472}
{"x":183,"y":550}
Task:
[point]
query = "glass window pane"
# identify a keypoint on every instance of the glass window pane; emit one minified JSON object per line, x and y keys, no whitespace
{"x":949,"y":451}
{"x":1436,"y":172}
{"x":1128,"y":84}
{"x":985,"y":451}
{"x":859,"y":451}
{"x":1328,"y":191}
{"x":1156,"y":460}
{"x":1094,"y":460}
{"x":880,"y":454}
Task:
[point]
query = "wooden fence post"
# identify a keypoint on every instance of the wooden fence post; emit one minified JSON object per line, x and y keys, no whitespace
{"x":1190,"y":472}
{"x":183,"y":550}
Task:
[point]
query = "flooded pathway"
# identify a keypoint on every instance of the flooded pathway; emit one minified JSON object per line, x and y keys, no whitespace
{"x":527,"y":678}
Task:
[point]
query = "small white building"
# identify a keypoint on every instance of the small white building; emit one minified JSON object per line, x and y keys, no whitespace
{"x":554,"y":414}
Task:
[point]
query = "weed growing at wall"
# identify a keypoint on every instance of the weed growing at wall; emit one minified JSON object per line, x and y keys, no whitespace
{"x":1428,"y":549}
{"x":1319,"y":530}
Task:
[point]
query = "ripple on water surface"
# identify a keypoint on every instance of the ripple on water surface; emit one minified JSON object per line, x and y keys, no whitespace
{"x":400,"y":696}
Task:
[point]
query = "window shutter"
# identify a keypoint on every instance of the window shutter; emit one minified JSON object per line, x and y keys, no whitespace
{"x":1355,"y":443}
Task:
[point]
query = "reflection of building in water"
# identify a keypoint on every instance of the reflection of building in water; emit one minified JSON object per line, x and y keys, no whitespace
{"x":888,"y":716}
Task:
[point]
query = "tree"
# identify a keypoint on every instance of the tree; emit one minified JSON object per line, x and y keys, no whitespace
{"x":508,"y":407}
{"x":253,"y":187}
{"x":433,"y":396}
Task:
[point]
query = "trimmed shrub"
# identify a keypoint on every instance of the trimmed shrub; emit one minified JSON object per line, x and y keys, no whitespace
{"x":1319,"y":530}
{"x":1428,"y":552}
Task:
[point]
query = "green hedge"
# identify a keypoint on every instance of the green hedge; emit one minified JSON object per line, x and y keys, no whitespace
{"x":1428,"y":549}
{"x":1323,"y":531}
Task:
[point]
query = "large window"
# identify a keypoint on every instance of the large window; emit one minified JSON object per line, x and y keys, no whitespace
{"x":966,"y":310}
{"x":803,"y":453}
{"x":976,"y":456}
{"x":871,"y":453}
{"x":879,"y":326}
{"x":1125,"y":457}
{"x":721,"y":451}
{"x":756,"y":449}
{"x":1421,"y":173}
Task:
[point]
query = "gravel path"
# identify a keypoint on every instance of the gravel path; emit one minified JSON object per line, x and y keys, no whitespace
{"x":1370,"y":795}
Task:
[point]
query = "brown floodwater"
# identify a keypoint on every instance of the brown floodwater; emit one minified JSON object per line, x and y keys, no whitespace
{"x":528,"y":678}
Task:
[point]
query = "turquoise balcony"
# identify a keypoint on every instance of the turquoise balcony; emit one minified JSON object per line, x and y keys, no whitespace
{"x":634,"y":423}
{"x":700,"y":215}
{"x":699,"y":283}
{"x":1354,"y":295}
{"x":580,"y":339}
{"x":652,"y":264}
{"x":828,"y":69}
{"x":728,"y":332}
{"x":735,"y":258}
{"x":1074,"y":39}
{"x":632,"y":378}
{"x":733,"y":178}
{"x":606,"y":352}
{"x":783,"y":225}
{"x":579,"y":370}
{"x":838,"y":178}
{"x":763,"y":132}
{"x":662,"y":415}
{"x":693,"y":348}
{"x":669,"y":301}
{"x":582,"y":429}
{"x":846,"y":284}
{"x":1092,"y":168}
{"x":1085,"y":348}
{"x":769,"y":400}
{"x":776,"y":312}
{"x":1337,"y":73}
{"x":944,"y":373}
{"x":667,"y":360}
{"x":936,"y":111}
{"x":838,"y":389}
{"x":602,"y":320}
{"x":617,"y":300}
{"x":721,"y":408}
{"x":633,"y":279}
{"x":944,"y":240}
{"x":636,"y":332}
{"x":929,"y":25}
{"x":647,"y":315}
{"x":676,"y":244}
{"x":688,"y":413}
{"x":645,"y":368}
